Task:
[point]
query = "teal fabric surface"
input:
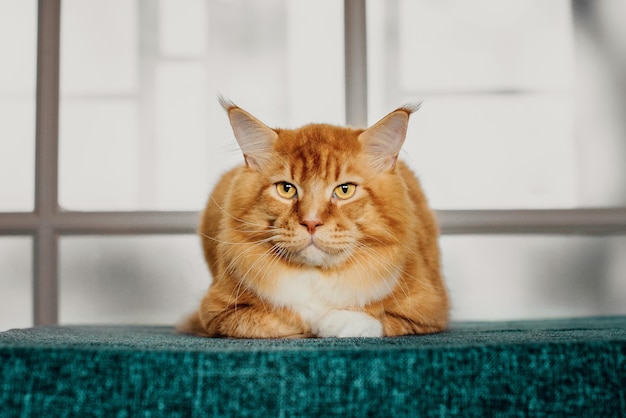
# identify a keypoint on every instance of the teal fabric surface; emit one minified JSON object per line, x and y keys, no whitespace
{"x":536,"y":368}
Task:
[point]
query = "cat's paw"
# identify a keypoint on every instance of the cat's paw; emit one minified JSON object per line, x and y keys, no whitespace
{"x":342,"y":324}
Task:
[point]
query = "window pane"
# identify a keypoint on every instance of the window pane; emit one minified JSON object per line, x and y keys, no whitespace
{"x":528,"y":167}
{"x":148,"y":279}
{"x":18,"y":45}
{"x":99,"y":54}
{"x":484,"y":44}
{"x":16,"y":289}
{"x":524,"y":277}
{"x":98,"y":164}
{"x":140,"y":124}
{"x":523,"y":99}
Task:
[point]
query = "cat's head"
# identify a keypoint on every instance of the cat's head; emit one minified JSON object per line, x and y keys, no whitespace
{"x":324,"y":195}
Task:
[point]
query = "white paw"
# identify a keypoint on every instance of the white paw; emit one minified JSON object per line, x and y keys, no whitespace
{"x":338,"y":323}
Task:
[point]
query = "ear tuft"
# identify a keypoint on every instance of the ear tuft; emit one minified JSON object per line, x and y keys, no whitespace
{"x":255,"y":139}
{"x":411,"y":107}
{"x":225,"y":103}
{"x":383,"y":141}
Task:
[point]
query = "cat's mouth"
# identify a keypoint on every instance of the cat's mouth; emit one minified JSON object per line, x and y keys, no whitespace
{"x":312,"y":243}
{"x":313,"y":255}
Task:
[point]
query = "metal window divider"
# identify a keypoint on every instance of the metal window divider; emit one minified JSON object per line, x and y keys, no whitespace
{"x":45,"y":243}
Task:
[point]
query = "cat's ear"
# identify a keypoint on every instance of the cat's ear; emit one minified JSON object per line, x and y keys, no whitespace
{"x":254,"y":138}
{"x":382,"y":141}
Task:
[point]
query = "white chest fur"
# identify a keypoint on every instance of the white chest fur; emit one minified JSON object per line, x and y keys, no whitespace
{"x":329,"y":302}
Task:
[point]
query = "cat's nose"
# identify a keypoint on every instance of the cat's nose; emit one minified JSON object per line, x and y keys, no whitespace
{"x":311,"y":224}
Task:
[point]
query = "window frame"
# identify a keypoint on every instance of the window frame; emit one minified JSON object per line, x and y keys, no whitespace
{"x":48,"y":222}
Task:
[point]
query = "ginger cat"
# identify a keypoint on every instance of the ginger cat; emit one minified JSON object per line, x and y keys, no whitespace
{"x":322,"y":233}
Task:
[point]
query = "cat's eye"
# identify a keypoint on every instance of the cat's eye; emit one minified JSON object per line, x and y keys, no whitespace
{"x":344,"y":191}
{"x":286,"y":190}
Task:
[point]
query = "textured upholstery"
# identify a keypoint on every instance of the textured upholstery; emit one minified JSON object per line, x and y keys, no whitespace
{"x":536,"y":368}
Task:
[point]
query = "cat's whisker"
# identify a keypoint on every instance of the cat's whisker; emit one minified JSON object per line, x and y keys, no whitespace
{"x":241,"y":254}
{"x":393,"y":238}
{"x":237,"y":292}
{"x":256,"y":232}
{"x":275,"y":258}
{"x":234,"y":259}
{"x":380,"y":259}
{"x":258,"y":258}
{"x":391,"y":288}
{"x":231,"y":266}
{"x":225,"y":212}
{"x":254,"y":227}
{"x":372,"y":250}
{"x":388,"y":266}
{"x":236,"y":300}
{"x":260,"y":271}
{"x":366,"y":265}
{"x":368,"y":274}
{"x":261,"y":241}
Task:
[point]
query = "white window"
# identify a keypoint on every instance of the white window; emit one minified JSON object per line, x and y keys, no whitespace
{"x":103,"y":170}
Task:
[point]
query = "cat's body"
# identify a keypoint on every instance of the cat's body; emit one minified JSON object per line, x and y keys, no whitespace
{"x":320,"y":233}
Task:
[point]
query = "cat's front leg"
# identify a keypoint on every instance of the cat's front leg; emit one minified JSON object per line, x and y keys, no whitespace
{"x":342,"y":323}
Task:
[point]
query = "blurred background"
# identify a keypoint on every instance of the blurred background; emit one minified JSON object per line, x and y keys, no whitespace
{"x":524,"y":108}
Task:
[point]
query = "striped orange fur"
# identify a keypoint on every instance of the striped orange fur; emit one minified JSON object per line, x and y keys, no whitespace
{"x":322,"y":233}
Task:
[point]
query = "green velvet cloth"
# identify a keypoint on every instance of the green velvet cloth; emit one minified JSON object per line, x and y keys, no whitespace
{"x":550,"y":368}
